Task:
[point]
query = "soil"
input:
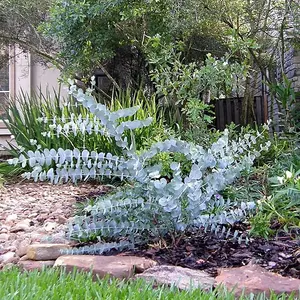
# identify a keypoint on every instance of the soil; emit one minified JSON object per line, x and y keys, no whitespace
{"x":196,"y":250}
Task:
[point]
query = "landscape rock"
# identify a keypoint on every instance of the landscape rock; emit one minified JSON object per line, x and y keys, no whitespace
{"x":12,"y":217}
{"x":182,"y":278}
{"x":254,"y":279}
{"x":22,"y":247}
{"x":23,"y":225}
{"x":26,"y":206}
{"x":114,"y":266}
{"x":45,"y":251}
{"x":24,"y":257}
{"x":61,"y":219}
{"x":50,"y":226}
{"x":36,"y":237}
{"x":4,"y":237}
{"x":6,"y":258}
{"x":30,"y":265}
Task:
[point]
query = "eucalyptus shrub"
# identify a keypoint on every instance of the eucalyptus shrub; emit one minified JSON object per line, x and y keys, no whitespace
{"x":151,"y":206}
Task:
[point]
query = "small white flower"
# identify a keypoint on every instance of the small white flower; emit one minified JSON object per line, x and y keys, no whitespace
{"x":280,"y":179}
{"x":71,"y":81}
{"x":266,"y":127}
{"x":32,"y":142}
{"x":288,"y":174}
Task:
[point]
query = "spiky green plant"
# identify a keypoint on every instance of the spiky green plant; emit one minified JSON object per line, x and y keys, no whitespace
{"x":29,"y":118}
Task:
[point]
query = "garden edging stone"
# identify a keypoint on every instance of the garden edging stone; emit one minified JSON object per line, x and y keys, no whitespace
{"x":255,"y":279}
{"x":102,"y":266}
{"x":182,"y":278}
{"x":45,"y":251}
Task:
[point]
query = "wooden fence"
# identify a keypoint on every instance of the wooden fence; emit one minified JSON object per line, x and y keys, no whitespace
{"x":230,"y":110}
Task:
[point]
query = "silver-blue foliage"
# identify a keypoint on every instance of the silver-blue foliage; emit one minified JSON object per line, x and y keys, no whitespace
{"x":152,"y":206}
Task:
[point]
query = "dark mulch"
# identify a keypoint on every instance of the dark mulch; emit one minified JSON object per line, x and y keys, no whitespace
{"x":207,"y":252}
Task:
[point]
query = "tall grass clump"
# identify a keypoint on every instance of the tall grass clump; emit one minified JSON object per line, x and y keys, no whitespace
{"x":33,"y":121}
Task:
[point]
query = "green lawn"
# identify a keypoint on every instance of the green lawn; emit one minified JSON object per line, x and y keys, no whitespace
{"x":57,"y":285}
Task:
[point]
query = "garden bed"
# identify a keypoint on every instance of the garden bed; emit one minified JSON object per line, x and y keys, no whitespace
{"x":205,"y":251}
{"x":43,"y":202}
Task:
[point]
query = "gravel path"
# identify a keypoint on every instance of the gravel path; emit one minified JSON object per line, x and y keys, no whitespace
{"x":36,"y":212}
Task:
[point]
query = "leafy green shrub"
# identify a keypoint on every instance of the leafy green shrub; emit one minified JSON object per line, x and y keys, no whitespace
{"x":8,"y":171}
{"x":152,"y":206}
{"x":282,"y":208}
{"x":185,"y":88}
{"x":200,"y":118}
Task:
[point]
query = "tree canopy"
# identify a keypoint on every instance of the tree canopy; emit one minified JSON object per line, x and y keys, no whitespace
{"x":81,"y":36}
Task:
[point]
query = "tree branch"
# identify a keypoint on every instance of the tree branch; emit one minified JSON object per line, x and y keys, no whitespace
{"x":28,"y":46}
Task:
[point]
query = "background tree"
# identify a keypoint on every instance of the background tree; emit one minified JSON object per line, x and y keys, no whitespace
{"x":80,"y":37}
{"x":19,"y":24}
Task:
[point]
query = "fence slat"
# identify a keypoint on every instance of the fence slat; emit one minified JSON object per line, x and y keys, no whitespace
{"x":221,"y":114}
{"x":257,"y":106}
{"x":229,"y":110}
{"x":236,"y":102}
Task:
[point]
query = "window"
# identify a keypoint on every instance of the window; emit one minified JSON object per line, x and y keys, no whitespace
{"x":4,"y":81}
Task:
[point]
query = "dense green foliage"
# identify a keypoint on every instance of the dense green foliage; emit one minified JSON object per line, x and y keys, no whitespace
{"x":102,"y":28}
{"x":19,"y":22}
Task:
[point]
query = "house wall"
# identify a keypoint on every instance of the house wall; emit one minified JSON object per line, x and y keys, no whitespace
{"x":32,"y":77}
{"x":29,"y":77}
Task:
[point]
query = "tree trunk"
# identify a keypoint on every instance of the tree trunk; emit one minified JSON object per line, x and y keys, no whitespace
{"x":248,"y":113}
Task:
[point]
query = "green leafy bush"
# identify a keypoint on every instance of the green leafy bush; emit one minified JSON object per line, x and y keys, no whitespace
{"x":280,"y":208}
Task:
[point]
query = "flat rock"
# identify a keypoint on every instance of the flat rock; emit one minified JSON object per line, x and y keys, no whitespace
{"x":22,"y":247}
{"x":45,"y":251}
{"x":23,"y":225}
{"x":254,"y":279}
{"x":8,"y":257}
{"x":182,"y":278}
{"x":114,"y":266}
{"x":30,"y":265}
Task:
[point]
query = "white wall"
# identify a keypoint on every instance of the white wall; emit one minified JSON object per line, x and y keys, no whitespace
{"x":29,"y":77}
{"x":32,"y":77}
